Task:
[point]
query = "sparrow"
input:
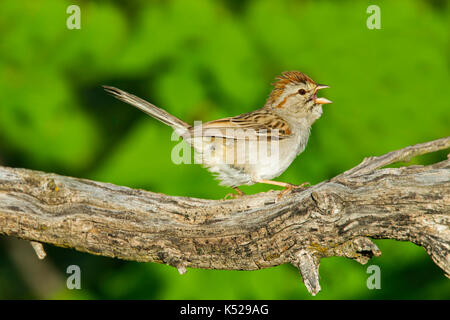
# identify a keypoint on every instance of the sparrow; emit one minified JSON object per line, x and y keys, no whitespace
{"x":253,"y":147}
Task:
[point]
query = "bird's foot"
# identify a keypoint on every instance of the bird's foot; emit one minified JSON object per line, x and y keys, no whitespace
{"x":291,"y":187}
{"x":235,"y":195}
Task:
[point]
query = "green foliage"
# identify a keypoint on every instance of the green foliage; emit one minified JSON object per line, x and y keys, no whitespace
{"x":206,"y":59}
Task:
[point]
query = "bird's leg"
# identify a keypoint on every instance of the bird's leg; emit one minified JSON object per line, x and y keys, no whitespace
{"x":288,"y":186}
{"x":234,"y":195}
{"x":239,"y":191}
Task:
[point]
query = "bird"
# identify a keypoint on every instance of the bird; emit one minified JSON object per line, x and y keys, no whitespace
{"x":253,"y":147}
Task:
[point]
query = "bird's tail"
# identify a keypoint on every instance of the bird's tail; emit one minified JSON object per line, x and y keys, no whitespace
{"x":179,"y":126}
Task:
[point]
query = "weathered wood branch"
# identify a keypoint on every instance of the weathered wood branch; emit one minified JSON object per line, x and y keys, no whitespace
{"x":332,"y":218}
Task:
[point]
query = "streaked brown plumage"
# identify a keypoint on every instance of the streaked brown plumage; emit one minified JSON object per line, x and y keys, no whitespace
{"x":227,"y":146}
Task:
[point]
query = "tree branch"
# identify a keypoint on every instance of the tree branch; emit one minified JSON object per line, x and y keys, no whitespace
{"x":332,"y":218}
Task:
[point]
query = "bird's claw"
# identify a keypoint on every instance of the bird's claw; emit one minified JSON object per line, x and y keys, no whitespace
{"x":292,"y":187}
{"x":234,"y":195}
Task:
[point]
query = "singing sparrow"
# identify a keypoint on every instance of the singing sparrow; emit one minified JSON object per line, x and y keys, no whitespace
{"x":254,"y":147}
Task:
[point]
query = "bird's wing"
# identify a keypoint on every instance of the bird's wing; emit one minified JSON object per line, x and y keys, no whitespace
{"x":250,"y":126}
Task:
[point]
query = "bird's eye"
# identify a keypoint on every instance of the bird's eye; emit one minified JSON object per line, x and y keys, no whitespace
{"x":301,"y":91}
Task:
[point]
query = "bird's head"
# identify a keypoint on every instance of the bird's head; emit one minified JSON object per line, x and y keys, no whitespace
{"x":295,"y":94}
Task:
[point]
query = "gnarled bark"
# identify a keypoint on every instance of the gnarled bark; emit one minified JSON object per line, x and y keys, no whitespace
{"x":333,"y":218}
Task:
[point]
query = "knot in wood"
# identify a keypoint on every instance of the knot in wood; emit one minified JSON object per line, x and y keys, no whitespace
{"x":360,"y":249}
{"x":44,"y":187}
{"x":173,"y":258}
{"x":329,"y":204}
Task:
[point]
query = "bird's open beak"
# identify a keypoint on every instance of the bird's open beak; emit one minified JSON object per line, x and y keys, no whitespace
{"x":321,"y":86}
{"x":321,"y":100}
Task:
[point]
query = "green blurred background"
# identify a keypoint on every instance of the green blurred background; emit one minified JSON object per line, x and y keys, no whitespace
{"x":202,"y":60}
